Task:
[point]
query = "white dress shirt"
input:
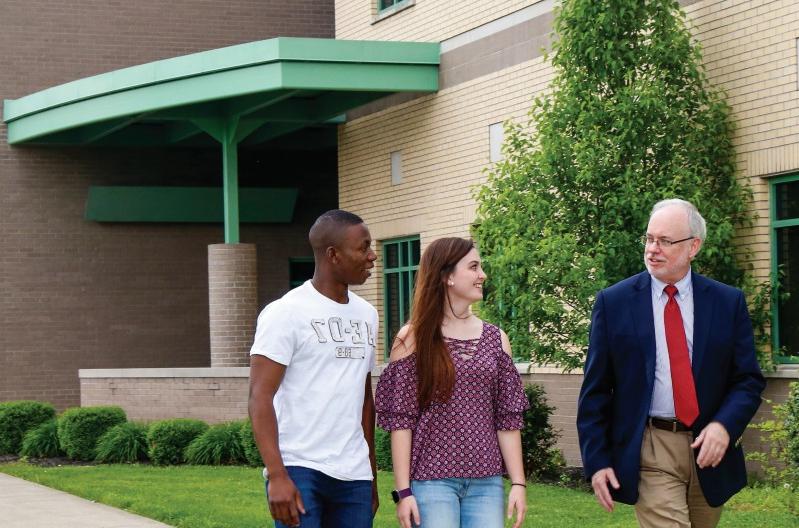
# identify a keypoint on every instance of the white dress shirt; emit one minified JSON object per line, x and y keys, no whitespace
{"x":662,"y":396}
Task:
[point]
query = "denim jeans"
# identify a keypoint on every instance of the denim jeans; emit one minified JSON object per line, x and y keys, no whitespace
{"x":329,"y":502}
{"x":460,"y":502}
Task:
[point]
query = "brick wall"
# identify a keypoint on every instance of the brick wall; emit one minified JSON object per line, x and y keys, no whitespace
{"x":220,"y":394}
{"x":75,"y":294}
{"x":750,"y":52}
{"x":213,"y":395}
{"x":233,"y":301}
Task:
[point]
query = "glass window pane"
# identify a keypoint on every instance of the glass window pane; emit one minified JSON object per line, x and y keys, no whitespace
{"x":392,"y":308}
{"x":787,"y":200}
{"x":788,"y":258}
{"x":415,"y":252}
{"x":392,"y":255}
{"x":403,"y":253}
{"x":406,"y":285}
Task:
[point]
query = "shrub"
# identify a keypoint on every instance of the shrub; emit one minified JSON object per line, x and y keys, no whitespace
{"x":123,"y":444}
{"x":780,"y":463}
{"x":383,"y":450}
{"x":218,"y":445}
{"x":542,"y":460}
{"x":42,"y":441}
{"x":247,"y":438}
{"x":79,"y":429}
{"x":167,"y":440}
{"x":17,"y":418}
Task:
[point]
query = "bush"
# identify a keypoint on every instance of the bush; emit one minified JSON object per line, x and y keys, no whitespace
{"x":542,"y":460}
{"x":123,"y":444}
{"x":167,"y":440}
{"x":247,"y":438}
{"x":780,"y":463}
{"x":220,"y":444}
{"x":17,"y":418}
{"x":42,"y":441}
{"x":383,"y":450}
{"x":79,"y":429}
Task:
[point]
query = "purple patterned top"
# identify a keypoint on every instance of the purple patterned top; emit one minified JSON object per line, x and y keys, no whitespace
{"x":456,"y":439}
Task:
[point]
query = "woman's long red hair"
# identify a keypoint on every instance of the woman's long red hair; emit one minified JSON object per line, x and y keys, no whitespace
{"x":435,"y":371}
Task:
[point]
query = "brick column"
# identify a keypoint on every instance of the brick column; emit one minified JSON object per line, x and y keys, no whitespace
{"x":232,"y":302}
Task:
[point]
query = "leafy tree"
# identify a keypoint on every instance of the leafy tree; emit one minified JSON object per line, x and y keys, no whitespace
{"x":630,"y":119}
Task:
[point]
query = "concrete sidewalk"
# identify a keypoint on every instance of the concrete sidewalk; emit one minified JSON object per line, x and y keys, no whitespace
{"x":24,"y":504}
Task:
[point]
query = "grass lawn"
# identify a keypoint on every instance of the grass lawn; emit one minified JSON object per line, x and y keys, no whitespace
{"x":232,"y":497}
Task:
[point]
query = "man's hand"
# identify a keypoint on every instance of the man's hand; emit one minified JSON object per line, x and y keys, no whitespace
{"x":714,"y":440}
{"x":408,"y":513}
{"x":600,"y":484}
{"x":517,"y":500}
{"x":285,"y":503}
{"x":375,"y":497}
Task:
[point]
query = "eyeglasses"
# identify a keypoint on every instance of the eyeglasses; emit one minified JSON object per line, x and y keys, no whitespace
{"x":662,"y":242}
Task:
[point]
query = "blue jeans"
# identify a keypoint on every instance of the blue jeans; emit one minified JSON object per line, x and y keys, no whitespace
{"x":460,"y":502}
{"x":329,"y":502}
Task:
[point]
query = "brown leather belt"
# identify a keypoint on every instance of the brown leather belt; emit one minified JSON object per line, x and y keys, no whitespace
{"x":668,"y":425}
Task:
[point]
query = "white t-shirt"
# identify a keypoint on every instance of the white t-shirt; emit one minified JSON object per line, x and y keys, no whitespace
{"x":328,"y":349}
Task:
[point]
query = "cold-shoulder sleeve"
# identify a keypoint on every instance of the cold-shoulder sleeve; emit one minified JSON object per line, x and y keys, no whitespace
{"x":511,"y":399}
{"x":395,"y":398}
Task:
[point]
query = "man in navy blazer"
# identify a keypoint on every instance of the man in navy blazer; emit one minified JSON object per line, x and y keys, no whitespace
{"x":668,"y":388}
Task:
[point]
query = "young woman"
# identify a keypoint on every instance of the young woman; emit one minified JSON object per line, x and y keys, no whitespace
{"x":453,"y":402}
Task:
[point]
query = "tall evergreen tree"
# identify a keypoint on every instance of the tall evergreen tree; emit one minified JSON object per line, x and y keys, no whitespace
{"x":630,"y":119}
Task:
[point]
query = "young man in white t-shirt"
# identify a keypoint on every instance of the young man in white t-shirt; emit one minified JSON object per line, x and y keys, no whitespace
{"x":310,"y":386}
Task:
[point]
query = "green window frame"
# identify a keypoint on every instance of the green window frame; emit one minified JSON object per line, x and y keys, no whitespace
{"x":386,"y":5}
{"x":300,"y":270}
{"x":784,"y":204}
{"x":400,"y":264}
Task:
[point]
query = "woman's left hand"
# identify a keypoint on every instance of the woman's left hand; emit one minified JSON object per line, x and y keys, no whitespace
{"x":517,"y":499}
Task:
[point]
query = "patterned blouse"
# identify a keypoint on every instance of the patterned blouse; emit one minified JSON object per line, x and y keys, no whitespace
{"x":456,"y":439}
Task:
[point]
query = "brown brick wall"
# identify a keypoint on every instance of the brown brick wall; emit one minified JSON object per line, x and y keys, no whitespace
{"x":76,"y":294}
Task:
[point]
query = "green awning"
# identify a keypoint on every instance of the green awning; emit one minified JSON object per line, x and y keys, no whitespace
{"x":247,"y":93}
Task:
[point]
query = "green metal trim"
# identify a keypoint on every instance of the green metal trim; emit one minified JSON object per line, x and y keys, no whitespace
{"x":249,"y":71}
{"x":775,"y":225}
{"x":399,"y":271}
{"x":187,"y":204}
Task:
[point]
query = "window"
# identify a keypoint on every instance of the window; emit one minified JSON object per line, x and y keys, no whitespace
{"x":785,"y":259}
{"x":400,"y":262}
{"x":386,"y":8}
{"x":382,"y":5}
{"x":496,"y":135}
{"x":300,"y":270}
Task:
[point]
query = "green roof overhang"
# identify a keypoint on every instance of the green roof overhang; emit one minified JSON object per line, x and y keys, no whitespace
{"x":245,"y":94}
{"x":266,"y":89}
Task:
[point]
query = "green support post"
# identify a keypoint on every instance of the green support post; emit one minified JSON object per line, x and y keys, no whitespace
{"x":230,"y":177}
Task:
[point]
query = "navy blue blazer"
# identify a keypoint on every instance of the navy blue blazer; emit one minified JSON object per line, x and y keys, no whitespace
{"x":619,"y":377}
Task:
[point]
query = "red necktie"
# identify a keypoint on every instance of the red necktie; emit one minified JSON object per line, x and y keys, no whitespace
{"x":682,"y":379}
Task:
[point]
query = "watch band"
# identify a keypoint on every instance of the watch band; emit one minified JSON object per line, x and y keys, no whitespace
{"x":398,"y":495}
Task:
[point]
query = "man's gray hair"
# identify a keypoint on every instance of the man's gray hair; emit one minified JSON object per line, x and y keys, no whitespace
{"x":696,"y":223}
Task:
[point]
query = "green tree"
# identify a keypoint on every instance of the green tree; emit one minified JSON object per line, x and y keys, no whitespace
{"x":630,"y":119}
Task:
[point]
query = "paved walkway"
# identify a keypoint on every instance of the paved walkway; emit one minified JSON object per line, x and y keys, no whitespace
{"x":24,"y":504}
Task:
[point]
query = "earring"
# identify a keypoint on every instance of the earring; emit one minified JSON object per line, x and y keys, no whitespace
{"x":450,"y":283}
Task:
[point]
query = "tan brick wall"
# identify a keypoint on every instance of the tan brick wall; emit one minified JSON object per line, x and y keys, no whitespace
{"x":212,"y":398}
{"x":427,"y":21}
{"x":750,"y":51}
{"x":232,"y":302}
{"x":221,"y":395}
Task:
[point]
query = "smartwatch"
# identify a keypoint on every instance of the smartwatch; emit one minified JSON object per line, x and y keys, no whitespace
{"x":398,"y":495}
